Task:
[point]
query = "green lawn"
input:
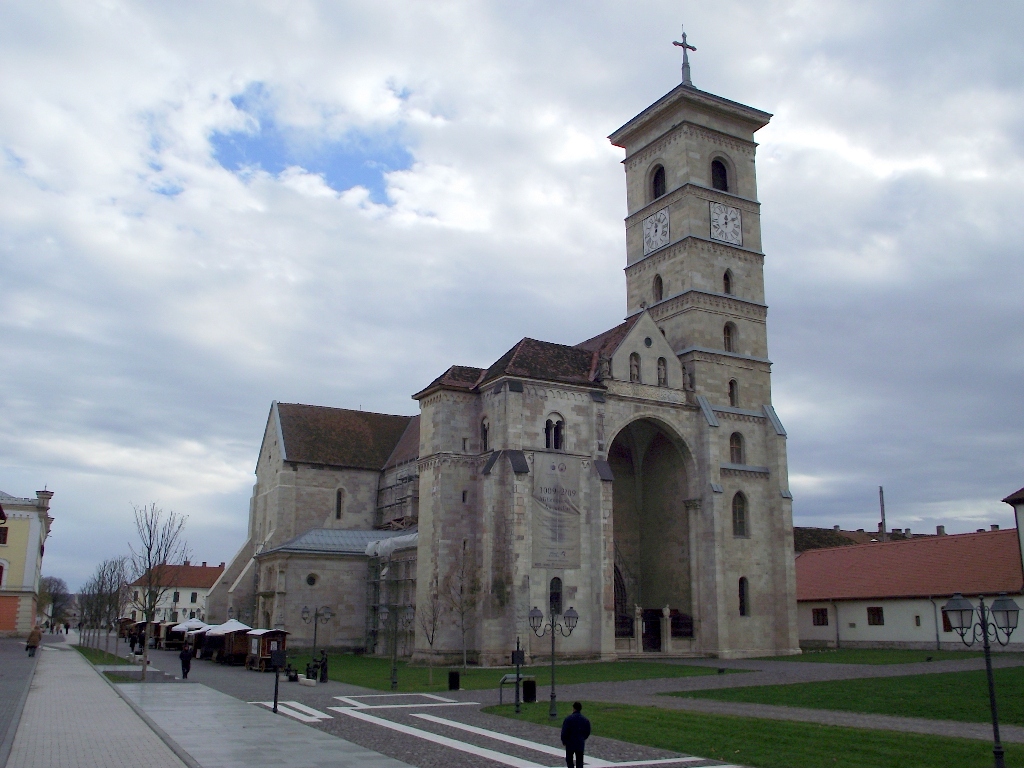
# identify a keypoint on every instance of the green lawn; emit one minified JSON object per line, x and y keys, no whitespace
{"x":876,"y":656}
{"x":773,"y":743}
{"x":943,"y":696}
{"x":97,"y":656}
{"x":375,"y":672}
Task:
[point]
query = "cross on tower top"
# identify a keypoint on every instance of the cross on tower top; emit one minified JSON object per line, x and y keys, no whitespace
{"x":686,"y":61}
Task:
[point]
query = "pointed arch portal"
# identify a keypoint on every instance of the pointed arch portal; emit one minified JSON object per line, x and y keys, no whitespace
{"x":651,"y":530}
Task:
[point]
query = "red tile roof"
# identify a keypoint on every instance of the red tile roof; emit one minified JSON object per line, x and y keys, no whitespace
{"x":408,"y":448}
{"x":1015,"y":498}
{"x":606,"y":343}
{"x":934,"y":566}
{"x":543,"y":360}
{"x":186,"y":576}
{"x":339,"y":437}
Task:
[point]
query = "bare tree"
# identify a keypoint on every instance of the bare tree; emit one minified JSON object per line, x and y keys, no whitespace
{"x":430,"y":618}
{"x":88,"y":606}
{"x":109,"y":587}
{"x":461,"y":593}
{"x":161,"y":543}
{"x":54,"y":593}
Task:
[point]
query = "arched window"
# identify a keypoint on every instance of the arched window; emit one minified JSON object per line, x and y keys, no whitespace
{"x":739,"y":515}
{"x":734,"y":393}
{"x":729,"y":337}
{"x":659,"y":288}
{"x":339,"y":503}
{"x":555,"y":597}
{"x":719,"y":176}
{"x":483,"y":436}
{"x":658,"y":183}
{"x":727,"y":282}
{"x":662,"y":372}
{"x":634,"y":367}
{"x":744,"y":597}
{"x":554,"y":433}
{"x":736,"y":448}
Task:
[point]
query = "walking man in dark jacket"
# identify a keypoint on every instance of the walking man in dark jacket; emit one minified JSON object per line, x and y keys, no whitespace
{"x":575,"y":730}
{"x":186,"y":661}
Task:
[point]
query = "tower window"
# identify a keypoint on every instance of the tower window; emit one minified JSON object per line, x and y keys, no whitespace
{"x":734,"y":393}
{"x":736,"y":448}
{"x":744,"y":595}
{"x":739,"y":515}
{"x":662,"y":372}
{"x":555,"y":597}
{"x":634,"y":367}
{"x":729,"y":337}
{"x":483,"y":435}
{"x":658,"y":187}
{"x":339,"y":503}
{"x":659,"y":288}
{"x":727,"y":282}
{"x":554,"y":433}
{"x":719,"y":176}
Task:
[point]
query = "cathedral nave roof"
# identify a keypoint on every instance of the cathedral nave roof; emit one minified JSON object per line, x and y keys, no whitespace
{"x":339,"y":437}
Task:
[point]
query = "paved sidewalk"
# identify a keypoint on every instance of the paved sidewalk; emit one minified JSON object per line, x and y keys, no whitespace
{"x":219,"y":731}
{"x":74,"y":719}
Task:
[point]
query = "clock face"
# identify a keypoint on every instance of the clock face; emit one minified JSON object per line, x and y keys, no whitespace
{"x":656,"y":231}
{"x":726,"y":224}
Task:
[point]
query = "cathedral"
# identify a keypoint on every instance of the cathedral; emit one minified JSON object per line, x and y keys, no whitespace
{"x":638,"y":477}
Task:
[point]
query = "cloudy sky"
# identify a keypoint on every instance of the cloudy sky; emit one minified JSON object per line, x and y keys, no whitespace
{"x":206,"y":206}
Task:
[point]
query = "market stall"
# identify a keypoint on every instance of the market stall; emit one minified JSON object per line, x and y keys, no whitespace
{"x":227,"y":641}
{"x":263,"y":642}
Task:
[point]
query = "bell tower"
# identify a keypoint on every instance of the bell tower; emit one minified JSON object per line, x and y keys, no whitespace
{"x":693,"y":238}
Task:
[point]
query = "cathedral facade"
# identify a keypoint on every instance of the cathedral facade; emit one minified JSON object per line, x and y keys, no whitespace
{"x":639,"y":477}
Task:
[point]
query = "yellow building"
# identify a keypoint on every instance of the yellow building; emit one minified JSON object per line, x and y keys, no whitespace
{"x":22,"y":539}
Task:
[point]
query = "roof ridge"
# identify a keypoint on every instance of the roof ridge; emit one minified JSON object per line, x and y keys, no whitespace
{"x":913,"y":540}
{"x":350,"y":410}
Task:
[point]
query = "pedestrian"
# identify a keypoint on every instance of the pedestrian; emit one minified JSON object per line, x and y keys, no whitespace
{"x":67,"y":627}
{"x":34,"y":638}
{"x":186,"y":661}
{"x":323,"y":666}
{"x":132,"y":640}
{"x":575,"y":730}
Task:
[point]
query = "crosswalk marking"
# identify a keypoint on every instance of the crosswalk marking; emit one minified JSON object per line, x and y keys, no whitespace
{"x":297,"y":710}
{"x":490,"y":754}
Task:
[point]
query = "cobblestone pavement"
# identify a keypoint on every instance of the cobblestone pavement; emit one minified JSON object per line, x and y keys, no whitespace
{"x":73,"y":719}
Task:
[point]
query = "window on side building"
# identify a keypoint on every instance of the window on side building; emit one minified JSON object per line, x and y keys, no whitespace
{"x":819,"y":617}
{"x":875,"y":617}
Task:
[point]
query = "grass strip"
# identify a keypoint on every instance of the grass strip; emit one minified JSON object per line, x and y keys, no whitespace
{"x":959,"y":696}
{"x":876,"y":656}
{"x":772,"y":743}
{"x":375,"y":672}
{"x":97,"y":656}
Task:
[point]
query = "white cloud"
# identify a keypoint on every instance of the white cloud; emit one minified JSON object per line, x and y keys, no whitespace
{"x":154,"y":303}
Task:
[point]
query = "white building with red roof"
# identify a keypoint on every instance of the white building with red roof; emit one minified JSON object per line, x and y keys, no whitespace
{"x":890,"y":594}
{"x":187,"y":588}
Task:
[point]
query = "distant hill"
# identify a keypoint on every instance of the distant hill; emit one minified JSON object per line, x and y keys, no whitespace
{"x":821,"y":538}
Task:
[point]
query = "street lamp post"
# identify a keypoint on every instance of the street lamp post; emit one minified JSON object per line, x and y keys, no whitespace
{"x":398,"y":616}
{"x":1001,"y":616}
{"x":553,"y":625}
{"x":321,"y":614}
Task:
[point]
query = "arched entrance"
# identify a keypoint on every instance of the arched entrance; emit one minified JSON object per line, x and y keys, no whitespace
{"x":652,"y":534}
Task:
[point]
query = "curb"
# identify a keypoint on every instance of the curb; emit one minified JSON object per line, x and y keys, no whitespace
{"x":8,"y":743}
{"x":174,"y":746}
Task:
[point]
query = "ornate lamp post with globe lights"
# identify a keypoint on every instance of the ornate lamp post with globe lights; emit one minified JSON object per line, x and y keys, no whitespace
{"x":1000,"y":617}
{"x":553,"y":625}
{"x":319,"y":615}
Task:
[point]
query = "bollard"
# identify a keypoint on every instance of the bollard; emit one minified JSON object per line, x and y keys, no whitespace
{"x":453,"y":680}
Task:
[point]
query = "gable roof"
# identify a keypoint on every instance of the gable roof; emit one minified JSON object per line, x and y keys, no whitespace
{"x":934,"y":566}
{"x":408,"y":446}
{"x":339,"y":437}
{"x":332,"y":541}
{"x":1017,"y":497}
{"x":604,"y":344}
{"x":186,"y":576}
{"x":533,"y":359}
{"x":462,"y":377}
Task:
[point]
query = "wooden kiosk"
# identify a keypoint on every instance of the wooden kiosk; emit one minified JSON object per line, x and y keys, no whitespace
{"x":263,"y":642}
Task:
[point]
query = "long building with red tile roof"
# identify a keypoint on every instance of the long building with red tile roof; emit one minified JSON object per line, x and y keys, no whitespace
{"x":891,"y":593}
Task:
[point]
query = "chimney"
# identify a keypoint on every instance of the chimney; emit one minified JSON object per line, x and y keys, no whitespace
{"x":186,"y":562}
{"x":835,"y":527}
{"x":906,"y":532}
{"x":898,"y":530}
{"x":993,"y":527}
{"x":222,"y":565}
{"x":940,"y":530}
{"x":980,"y":530}
{"x":204,"y":563}
{"x":860,"y":530}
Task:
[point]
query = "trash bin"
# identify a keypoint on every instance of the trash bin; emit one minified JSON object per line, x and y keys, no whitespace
{"x":530,"y":691}
{"x":453,"y":680}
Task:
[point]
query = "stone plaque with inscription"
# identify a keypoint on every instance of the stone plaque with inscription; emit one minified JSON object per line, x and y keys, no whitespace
{"x":556,"y":511}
